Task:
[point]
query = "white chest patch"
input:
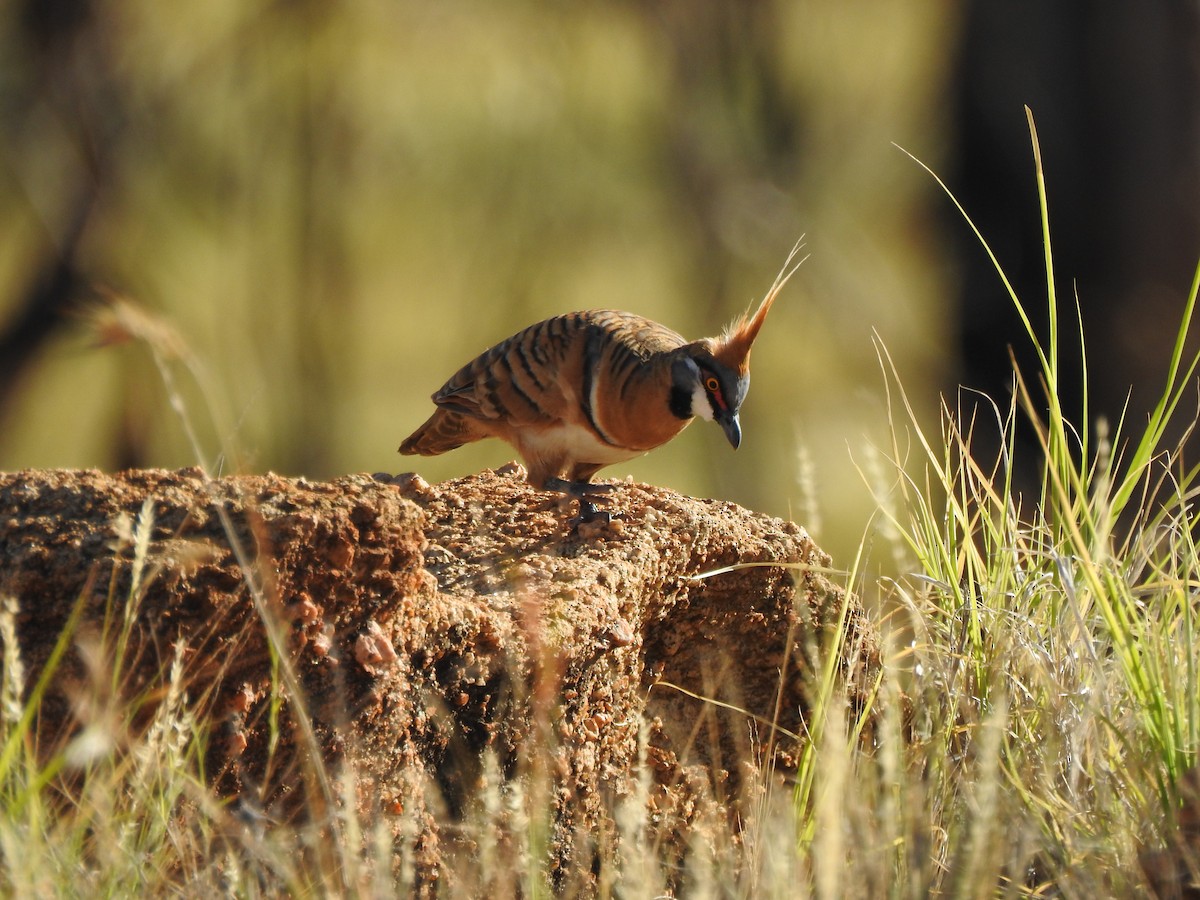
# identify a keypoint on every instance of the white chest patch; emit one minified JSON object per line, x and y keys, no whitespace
{"x":573,"y":443}
{"x":701,"y":405}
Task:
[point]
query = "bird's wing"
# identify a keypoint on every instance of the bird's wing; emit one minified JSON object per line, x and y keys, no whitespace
{"x":539,"y":374}
{"x":637,"y":335}
{"x":515,"y":381}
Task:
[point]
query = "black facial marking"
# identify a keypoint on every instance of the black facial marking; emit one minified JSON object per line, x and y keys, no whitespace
{"x":683,"y":381}
{"x":680,"y":402}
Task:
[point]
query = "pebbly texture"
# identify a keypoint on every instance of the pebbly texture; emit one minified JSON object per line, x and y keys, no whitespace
{"x":432,"y":628}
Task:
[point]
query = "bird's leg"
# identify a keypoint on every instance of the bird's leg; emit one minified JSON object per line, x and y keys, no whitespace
{"x":588,"y":513}
{"x":576,"y":488}
{"x":585,"y":492}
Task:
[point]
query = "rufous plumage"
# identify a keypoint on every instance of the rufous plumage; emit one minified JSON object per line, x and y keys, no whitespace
{"x":581,"y":391}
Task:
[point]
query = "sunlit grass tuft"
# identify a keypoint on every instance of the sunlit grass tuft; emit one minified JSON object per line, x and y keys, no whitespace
{"x":1048,"y":635}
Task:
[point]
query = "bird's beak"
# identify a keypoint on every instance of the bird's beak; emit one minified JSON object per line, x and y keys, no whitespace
{"x":732,"y":428}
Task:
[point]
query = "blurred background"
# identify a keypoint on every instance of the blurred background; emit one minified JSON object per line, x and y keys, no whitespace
{"x":332,"y":206}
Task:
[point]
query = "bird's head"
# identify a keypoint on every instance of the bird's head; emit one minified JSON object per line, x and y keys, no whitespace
{"x":712,"y":375}
{"x":703,"y":386}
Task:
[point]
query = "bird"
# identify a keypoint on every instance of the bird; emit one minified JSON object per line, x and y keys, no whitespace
{"x":583,"y":390}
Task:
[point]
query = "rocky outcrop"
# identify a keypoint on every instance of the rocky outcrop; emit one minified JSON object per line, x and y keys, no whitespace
{"x":428,"y":632}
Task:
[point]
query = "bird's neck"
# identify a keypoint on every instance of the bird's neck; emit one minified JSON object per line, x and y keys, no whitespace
{"x":685,"y":380}
{"x":680,"y":402}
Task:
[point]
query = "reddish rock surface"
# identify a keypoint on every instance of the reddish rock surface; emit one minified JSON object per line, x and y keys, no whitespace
{"x":433,"y":627}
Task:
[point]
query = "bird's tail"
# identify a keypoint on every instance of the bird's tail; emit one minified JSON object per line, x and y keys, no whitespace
{"x":444,"y":430}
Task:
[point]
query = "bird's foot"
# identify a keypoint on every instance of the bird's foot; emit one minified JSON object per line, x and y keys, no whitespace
{"x":589,"y":514}
{"x":590,"y":518}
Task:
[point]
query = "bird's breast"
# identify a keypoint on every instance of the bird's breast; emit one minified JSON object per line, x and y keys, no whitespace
{"x":565,"y":440}
{"x":635,"y":412}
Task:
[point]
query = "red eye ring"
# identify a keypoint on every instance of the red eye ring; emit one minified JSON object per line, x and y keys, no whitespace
{"x":712,"y":384}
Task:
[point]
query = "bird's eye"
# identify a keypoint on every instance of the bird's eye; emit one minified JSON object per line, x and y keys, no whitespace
{"x":712,"y":384}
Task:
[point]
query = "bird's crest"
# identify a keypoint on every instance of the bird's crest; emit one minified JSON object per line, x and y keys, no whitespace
{"x":732,"y":348}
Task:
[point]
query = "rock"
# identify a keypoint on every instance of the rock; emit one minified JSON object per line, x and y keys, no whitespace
{"x":431,"y":628}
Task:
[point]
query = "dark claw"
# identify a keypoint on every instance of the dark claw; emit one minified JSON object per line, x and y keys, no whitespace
{"x":588,"y":514}
{"x":584,"y":492}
